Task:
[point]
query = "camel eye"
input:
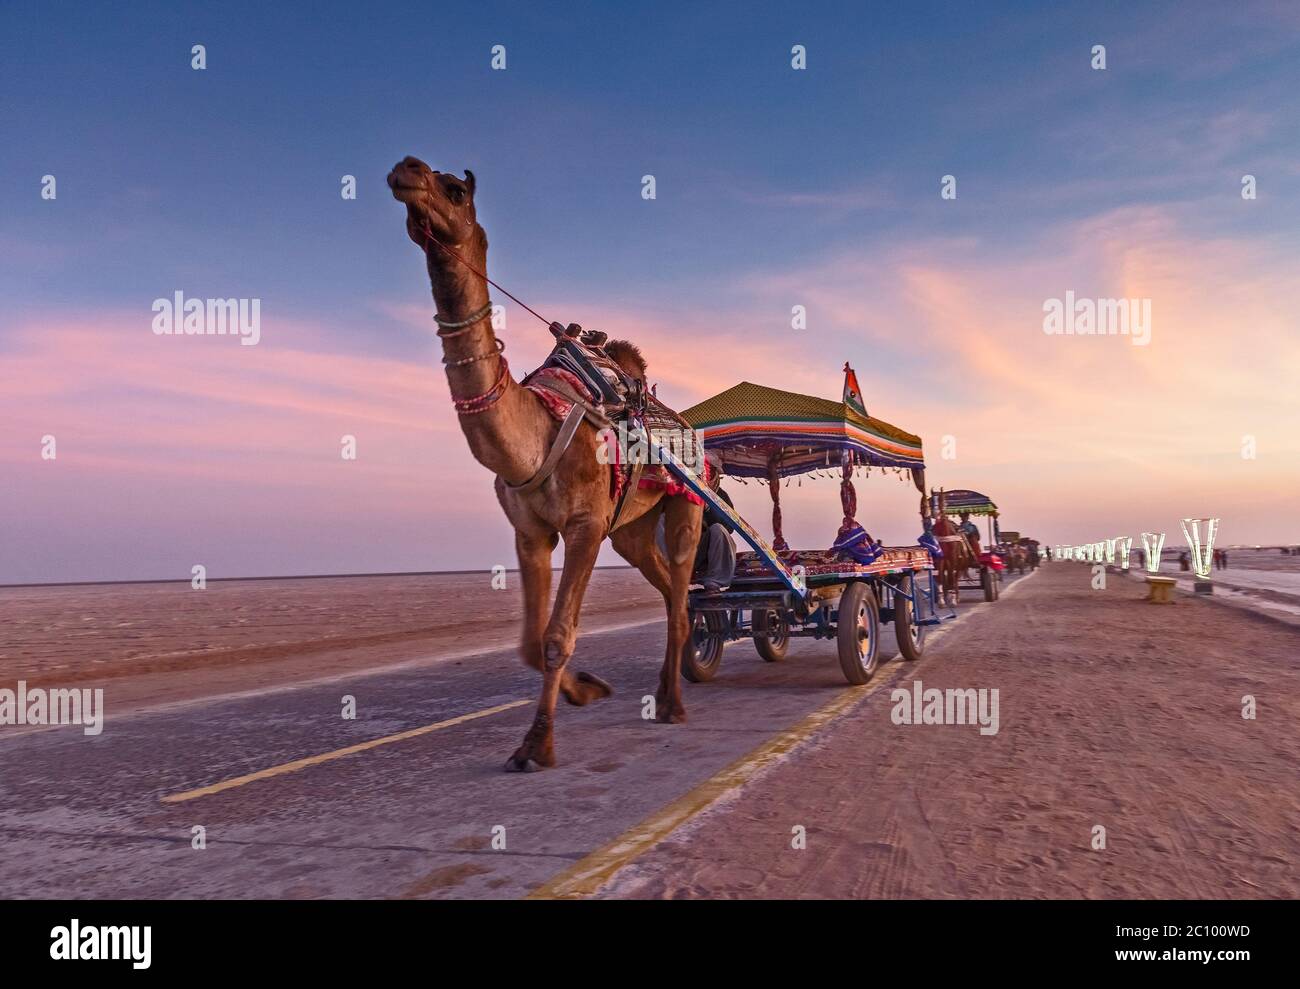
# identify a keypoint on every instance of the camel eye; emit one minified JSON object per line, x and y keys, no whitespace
{"x":456,"y":194}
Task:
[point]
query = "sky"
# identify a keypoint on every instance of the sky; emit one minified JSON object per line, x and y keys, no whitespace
{"x":775,"y":188}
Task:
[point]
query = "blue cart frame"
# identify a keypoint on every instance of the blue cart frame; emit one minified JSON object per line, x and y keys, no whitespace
{"x":849,"y":607}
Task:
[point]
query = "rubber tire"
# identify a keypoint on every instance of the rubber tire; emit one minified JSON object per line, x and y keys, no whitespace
{"x":989,"y":581}
{"x":858,"y":606}
{"x":702,"y":654}
{"x":911,"y":649}
{"x":771,"y":648}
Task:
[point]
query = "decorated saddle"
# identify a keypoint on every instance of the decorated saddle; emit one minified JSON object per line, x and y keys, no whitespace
{"x":579,"y":370}
{"x":579,"y":374}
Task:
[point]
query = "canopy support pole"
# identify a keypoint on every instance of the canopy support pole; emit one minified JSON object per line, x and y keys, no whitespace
{"x":774,"y":485}
{"x":848,"y":499}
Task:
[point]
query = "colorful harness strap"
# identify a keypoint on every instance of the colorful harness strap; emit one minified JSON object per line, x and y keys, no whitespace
{"x":481,"y":403}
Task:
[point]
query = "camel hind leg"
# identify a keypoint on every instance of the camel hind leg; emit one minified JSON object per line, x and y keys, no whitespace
{"x":635,"y":542}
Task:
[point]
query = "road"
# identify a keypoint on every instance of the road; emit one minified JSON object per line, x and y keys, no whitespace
{"x":416,"y":815}
{"x":1114,"y":714}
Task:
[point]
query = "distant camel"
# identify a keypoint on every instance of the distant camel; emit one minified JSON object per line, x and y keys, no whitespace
{"x":1017,"y":557}
{"x":957,"y":554}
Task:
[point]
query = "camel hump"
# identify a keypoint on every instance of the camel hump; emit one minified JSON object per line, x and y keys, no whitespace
{"x":627,"y":355}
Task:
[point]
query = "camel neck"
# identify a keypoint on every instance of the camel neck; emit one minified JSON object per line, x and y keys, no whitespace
{"x":495,"y":436}
{"x":458,"y":294}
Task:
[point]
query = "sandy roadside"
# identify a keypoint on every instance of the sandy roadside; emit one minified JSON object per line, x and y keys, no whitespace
{"x":1113,"y":712}
{"x":161,"y":644}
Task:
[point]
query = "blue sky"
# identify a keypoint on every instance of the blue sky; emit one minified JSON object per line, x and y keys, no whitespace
{"x":233,"y":172}
{"x":772,"y":184}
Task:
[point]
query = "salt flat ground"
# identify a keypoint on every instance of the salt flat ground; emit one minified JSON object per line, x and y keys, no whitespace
{"x":1264,"y":581}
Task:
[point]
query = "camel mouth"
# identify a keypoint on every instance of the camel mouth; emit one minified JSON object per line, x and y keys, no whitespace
{"x":405,"y":185}
{"x":413,"y":197}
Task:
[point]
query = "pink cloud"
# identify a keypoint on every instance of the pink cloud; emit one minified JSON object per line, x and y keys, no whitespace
{"x":175,"y":449}
{"x":1075,"y":433}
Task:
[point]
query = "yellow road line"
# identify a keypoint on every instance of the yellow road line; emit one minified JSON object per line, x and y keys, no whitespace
{"x":588,"y":875}
{"x":297,"y":764}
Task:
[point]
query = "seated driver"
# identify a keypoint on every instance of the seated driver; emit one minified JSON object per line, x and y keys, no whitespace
{"x":971,"y":531}
{"x":715,"y":556}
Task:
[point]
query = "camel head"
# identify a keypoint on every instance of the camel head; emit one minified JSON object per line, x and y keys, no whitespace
{"x":436,"y":202}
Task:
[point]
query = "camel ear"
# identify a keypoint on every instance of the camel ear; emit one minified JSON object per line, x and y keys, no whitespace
{"x":469,"y":181}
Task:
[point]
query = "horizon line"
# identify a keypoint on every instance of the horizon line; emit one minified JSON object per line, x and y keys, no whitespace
{"x":418,"y":573}
{"x":299,"y":576}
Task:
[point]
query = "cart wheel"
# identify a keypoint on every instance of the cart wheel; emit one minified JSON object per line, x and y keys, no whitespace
{"x":989,"y":581}
{"x":859,"y":633}
{"x":911,"y":636}
{"x":702,"y":654}
{"x":771,"y":635}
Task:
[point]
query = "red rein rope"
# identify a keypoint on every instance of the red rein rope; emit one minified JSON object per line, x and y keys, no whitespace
{"x":428,"y":234}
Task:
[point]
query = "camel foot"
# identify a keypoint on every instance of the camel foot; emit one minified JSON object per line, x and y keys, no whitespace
{"x":587,"y":687}
{"x":670,"y":715}
{"x":516,"y":765}
{"x":527,"y":760}
{"x":526,"y":764}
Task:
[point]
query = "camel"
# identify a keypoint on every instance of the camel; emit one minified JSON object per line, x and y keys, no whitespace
{"x":1017,"y":557}
{"x":957,"y":554}
{"x":510,"y":432}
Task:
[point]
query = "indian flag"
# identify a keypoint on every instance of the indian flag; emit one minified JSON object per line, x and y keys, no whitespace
{"x":852,"y":393}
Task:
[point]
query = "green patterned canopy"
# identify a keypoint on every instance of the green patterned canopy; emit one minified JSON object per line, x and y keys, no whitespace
{"x":754,"y":429}
{"x":961,"y":500}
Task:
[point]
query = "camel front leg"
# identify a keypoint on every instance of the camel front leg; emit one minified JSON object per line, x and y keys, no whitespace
{"x":534,"y":550}
{"x":582,"y":541}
